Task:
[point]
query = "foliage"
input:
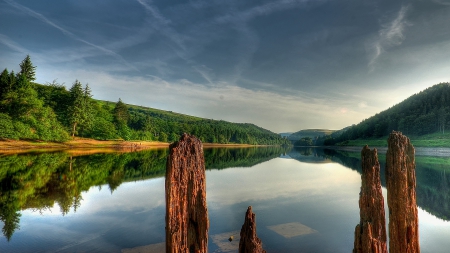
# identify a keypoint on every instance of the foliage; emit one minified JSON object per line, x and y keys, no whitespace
{"x":424,"y":113}
{"x":7,"y":127}
{"x":80,"y":109}
{"x":305,"y":141}
{"x":121,"y":113}
{"x":50,"y":112}
{"x":27,"y":69}
{"x":312,"y":133}
{"x":24,"y":114}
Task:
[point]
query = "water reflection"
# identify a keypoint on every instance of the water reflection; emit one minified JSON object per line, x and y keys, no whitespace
{"x":112,"y":215}
{"x":38,"y":181}
{"x":432,"y":175}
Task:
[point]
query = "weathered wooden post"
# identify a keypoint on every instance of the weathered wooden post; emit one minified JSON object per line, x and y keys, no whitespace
{"x":187,"y":221}
{"x":249,"y":241}
{"x":401,"y":195}
{"x":370,"y":233}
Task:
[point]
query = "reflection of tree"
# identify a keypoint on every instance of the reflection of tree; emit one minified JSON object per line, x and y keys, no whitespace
{"x":222,"y":158}
{"x":306,"y":151}
{"x":115,"y":179}
{"x":39,"y":181}
{"x":433,"y":189}
{"x":10,"y":215}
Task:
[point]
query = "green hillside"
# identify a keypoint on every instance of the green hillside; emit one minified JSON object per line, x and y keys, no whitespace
{"x":311,"y":133}
{"x":31,"y":111}
{"x":425,"y":113}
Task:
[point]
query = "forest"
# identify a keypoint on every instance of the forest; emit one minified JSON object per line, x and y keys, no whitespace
{"x":423,"y":113}
{"x":50,"y":112}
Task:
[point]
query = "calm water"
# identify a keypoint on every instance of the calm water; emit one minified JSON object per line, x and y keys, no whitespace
{"x":305,"y":200}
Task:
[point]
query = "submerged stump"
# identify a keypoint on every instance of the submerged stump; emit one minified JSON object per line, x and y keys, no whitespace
{"x":249,"y":241}
{"x":186,"y":212}
{"x":401,"y":195}
{"x":370,"y":233}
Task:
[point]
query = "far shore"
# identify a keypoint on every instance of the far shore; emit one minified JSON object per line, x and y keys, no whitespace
{"x":419,"y":151}
{"x":83,"y":145}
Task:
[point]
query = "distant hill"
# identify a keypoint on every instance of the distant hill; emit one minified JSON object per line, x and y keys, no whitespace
{"x":311,"y":133}
{"x":287,"y":134}
{"x":423,"y":113}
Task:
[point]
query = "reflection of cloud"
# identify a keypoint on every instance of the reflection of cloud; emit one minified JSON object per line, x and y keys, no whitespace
{"x":317,"y":180}
{"x":391,"y":34}
{"x":128,"y":196}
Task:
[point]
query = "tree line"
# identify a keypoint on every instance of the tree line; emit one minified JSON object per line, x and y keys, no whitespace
{"x":50,"y":112}
{"x":422,"y":113}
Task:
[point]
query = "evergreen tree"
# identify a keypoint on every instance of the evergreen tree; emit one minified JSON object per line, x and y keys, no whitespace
{"x":22,"y":100}
{"x":121,"y":113}
{"x":80,"y":108}
{"x":4,"y":82}
{"x":27,"y":69}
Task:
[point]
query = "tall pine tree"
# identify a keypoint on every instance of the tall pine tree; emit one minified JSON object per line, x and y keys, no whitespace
{"x":27,"y":69}
{"x":80,"y":108}
{"x":121,"y":113}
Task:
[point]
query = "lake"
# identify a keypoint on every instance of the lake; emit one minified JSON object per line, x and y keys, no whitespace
{"x":305,"y":200}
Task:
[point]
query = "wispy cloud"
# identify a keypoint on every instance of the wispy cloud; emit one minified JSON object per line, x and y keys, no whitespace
{"x":260,"y":10}
{"x":390,"y":35}
{"x":443,"y":2}
{"x":249,"y":41}
{"x":205,"y":72}
{"x":162,"y":24}
{"x":5,"y":40}
{"x":66,"y":32}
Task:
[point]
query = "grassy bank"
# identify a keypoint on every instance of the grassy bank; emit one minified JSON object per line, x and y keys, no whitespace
{"x":428,"y":140}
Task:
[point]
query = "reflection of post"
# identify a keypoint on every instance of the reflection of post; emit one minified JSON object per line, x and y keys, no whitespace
{"x":370,"y":233}
{"x":249,"y":242}
{"x":401,"y":188}
{"x":186,"y":213}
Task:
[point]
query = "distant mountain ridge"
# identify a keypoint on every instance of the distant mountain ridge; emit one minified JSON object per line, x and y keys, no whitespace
{"x":311,"y":133}
{"x":423,"y":113}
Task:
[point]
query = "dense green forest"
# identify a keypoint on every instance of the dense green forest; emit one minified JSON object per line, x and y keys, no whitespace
{"x":38,"y":181}
{"x":31,"y":111}
{"x":423,"y":113}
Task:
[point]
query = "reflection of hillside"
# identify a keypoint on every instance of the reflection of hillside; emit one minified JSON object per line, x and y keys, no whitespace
{"x":222,"y":158}
{"x":41,"y":180}
{"x":432,"y":174}
{"x":38,"y":181}
{"x":309,"y":155}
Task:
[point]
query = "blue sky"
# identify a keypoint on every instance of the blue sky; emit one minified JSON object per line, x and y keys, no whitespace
{"x":284,"y":65}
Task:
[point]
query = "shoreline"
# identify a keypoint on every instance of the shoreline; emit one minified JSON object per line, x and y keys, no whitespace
{"x":82,"y":145}
{"x":419,"y":151}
